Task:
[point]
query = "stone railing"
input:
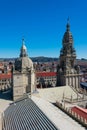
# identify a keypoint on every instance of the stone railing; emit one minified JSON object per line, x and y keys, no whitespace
{"x":1,"y":121}
{"x":74,"y":100}
{"x":72,"y":114}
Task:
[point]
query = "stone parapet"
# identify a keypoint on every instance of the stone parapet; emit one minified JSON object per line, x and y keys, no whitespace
{"x":72,"y":114}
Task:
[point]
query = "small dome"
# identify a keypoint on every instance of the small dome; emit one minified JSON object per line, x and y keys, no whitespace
{"x":23,"y":63}
{"x":23,"y":47}
{"x":23,"y":50}
{"x":27,"y":62}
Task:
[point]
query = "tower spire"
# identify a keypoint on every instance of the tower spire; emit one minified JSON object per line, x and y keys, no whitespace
{"x":23,"y":43}
{"x":68,"y":20}
{"x":68,"y":25}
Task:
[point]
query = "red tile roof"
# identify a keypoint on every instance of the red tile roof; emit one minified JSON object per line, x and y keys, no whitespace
{"x":80,"y":111}
{"x":1,"y":64}
{"x":45,"y":74}
{"x":5,"y":76}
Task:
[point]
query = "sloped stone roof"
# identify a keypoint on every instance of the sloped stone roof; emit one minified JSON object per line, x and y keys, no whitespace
{"x":26,"y":115}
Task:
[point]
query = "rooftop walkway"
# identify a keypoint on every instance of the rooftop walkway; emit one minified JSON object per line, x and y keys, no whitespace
{"x":58,"y":117}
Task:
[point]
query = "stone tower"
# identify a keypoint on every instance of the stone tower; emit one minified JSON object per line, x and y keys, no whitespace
{"x":23,"y":75}
{"x":67,"y":72}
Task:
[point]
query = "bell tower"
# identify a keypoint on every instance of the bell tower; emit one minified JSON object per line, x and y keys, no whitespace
{"x":23,"y":75}
{"x":67,"y":72}
{"x":67,"y":53}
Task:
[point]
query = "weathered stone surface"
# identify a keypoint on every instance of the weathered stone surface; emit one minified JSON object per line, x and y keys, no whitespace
{"x":68,"y":74}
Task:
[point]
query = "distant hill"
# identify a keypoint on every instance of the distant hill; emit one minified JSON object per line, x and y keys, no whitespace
{"x":34,"y":59}
{"x":45,"y":59}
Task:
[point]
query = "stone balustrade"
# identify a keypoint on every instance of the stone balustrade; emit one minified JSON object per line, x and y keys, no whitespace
{"x":72,"y":114}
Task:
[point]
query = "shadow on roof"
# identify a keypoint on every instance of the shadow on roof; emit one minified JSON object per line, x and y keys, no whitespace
{"x":7,"y":95}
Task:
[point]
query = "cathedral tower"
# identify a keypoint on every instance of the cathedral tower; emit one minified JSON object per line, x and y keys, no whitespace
{"x":68,"y":72}
{"x":23,"y":74}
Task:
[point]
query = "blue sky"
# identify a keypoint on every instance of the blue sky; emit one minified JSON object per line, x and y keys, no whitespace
{"x":42,"y":23}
